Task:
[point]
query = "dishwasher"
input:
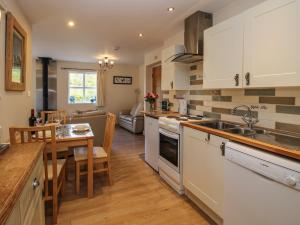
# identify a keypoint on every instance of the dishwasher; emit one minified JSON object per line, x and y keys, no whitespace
{"x":260,"y":188}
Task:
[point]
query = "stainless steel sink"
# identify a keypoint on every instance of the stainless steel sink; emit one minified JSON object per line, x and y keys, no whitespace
{"x":232,"y":128}
{"x":217,"y":124}
{"x":274,"y":137}
{"x":241,"y":131}
{"x":246,"y":131}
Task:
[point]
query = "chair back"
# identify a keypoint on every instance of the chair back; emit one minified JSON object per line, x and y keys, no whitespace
{"x":109,"y":133}
{"x":52,"y":116}
{"x":47,"y":134}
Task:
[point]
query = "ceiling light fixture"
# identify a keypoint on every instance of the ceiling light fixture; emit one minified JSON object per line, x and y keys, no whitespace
{"x":71,"y":23}
{"x":171,"y":9}
{"x":140,"y":35}
{"x":106,"y":64}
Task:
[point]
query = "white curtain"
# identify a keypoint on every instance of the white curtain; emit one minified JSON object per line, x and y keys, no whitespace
{"x":101,"y":84}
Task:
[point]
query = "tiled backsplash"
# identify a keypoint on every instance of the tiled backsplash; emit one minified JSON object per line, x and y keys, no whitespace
{"x":275,"y":107}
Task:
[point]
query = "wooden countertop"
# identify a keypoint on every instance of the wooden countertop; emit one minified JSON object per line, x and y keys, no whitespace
{"x":248,"y":141}
{"x":157,"y":114}
{"x":16,"y":165}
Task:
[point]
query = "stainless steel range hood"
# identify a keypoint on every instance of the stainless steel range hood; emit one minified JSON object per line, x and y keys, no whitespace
{"x":193,"y":37}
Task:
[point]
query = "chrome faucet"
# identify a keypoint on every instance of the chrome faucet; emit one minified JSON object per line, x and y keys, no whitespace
{"x":247,"y":117}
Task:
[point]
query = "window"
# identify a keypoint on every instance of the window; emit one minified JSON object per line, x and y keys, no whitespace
{"x":82,"y":87}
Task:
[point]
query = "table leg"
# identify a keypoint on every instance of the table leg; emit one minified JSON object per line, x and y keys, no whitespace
{"x":90,"y":180}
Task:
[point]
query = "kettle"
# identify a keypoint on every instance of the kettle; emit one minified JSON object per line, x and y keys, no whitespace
{"x":182,"y":106}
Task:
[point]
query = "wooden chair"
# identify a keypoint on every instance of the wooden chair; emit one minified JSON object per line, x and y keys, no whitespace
{"x":101,"y":154}
{"x":53,"y":116}
{"x":54,"y":179}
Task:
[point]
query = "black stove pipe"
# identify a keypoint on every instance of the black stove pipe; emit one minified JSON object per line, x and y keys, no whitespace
{"x":45,"y":63}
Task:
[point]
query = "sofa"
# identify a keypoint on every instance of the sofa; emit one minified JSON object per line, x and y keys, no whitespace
{"x":97,"y":121}
{"x":132,"y":120}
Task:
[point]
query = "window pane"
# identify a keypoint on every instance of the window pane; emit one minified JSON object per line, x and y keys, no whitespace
{"x":91,"y":80}
{"x":75,"y":80}
{"x":76,"y":95}
{"x":91,"y":95}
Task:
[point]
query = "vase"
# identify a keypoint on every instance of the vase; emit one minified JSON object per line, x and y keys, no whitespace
{"x":152,"y":107}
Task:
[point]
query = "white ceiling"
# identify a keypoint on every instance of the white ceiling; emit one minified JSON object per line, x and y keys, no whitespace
{"x":101,"y":25}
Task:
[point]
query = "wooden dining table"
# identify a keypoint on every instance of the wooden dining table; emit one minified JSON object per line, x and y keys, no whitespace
{"x":66,"y":137}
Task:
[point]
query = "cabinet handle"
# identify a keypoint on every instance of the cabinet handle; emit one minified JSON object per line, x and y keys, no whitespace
{"x":222,"y":147}
{"x":172,"y":84}
{"x":237,"y":79}
{"x":207,"y":139}
{"x":247,"y":77}
{"x":35,"y":183}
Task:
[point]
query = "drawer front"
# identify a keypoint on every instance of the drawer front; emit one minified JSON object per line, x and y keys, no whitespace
{"x":217,"y":141}
{"x":196,"y":134}
{"x":205,"y":137}
{"x":33,"y":188}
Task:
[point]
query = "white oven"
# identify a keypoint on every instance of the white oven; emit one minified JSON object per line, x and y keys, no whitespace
{"x":169,"y":161}
{"x":169,"y":148}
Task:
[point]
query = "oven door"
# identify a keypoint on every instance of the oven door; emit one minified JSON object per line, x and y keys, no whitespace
{"x":169,"y":148}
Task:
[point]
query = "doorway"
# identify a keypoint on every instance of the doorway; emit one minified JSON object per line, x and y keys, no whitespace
{"x":156,"y":85}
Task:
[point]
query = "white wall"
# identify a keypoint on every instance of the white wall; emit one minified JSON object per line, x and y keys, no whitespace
{"x":142,"y":82}
{"x":15,"y":106}
{"x":177,"y":39}
{"x":151,"y":58}
{"x":117,"y":97}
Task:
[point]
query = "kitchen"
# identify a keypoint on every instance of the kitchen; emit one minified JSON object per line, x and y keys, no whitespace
{"x":150,"y":112}
{"x":236,"y":128}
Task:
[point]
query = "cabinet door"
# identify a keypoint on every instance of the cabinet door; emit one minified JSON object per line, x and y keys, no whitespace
{"x":272,"y":44}
{"x":167,"y":69}
{"x":15,"y":217}
{"x":39,"y":214}
{"x":151,"y":142}
{"x":174,"y":75}
{"x":223,"y":54}
{"x":203,"y":168}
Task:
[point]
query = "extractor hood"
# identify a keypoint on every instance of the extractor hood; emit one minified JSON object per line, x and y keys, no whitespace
{"x":193,"y":37}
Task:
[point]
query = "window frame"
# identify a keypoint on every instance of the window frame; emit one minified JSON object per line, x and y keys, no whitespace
{"x":84,"y":87}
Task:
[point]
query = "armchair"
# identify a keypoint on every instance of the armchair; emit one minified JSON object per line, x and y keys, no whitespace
{"x":132,"y":120}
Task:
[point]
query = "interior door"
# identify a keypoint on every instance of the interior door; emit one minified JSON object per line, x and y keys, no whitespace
{"x":223,"y":54}
{"x":272,"y":44}
{"x":156,"y":84}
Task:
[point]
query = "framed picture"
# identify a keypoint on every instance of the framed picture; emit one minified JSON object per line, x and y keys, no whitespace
{"x":15,"y":56}
{"x":122,"y":80}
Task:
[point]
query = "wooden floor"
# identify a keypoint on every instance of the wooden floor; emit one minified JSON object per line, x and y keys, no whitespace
{"x":138,"y":196}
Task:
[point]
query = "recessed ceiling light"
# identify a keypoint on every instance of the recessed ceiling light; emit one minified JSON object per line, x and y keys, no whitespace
{"x":71,"y":23}
{"x":171,"y":9}
{"x":140,"y":35}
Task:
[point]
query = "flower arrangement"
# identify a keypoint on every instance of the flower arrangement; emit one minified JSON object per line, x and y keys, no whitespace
{"x":151,"y":98}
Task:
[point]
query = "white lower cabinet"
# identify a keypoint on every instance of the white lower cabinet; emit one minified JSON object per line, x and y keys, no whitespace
{"x":203,"y":168}
{"x":151,"y":142}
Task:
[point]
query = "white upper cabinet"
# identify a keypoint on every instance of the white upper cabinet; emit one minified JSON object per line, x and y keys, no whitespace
{"x":174,"y":75}
{"x":272,"y":44}
{"x":223,"y":54}
{"x":261,"y":45}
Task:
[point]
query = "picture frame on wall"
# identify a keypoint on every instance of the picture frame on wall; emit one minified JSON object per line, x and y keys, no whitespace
{"x":15,"y":55}
{"x":124,"y":80}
